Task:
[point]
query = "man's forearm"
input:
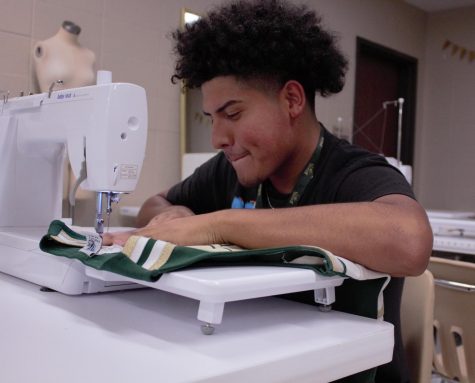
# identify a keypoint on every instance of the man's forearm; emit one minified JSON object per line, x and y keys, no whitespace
{"x":384,"y":237}
{"x":391,"y":234}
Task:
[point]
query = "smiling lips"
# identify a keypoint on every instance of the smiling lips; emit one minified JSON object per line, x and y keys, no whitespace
{"x":232,"y":157}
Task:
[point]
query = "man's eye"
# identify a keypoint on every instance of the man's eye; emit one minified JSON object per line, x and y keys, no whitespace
{"x":233,"y":116}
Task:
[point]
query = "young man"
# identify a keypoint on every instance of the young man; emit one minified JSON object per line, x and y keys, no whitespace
{"x":280,"y":178}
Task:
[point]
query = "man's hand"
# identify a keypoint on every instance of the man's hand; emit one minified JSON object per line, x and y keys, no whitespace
{"x":168,"y":213}
{"x":118,"y":238}
{"x":185,"y":230}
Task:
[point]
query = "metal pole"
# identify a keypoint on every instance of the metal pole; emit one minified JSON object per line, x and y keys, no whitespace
{"x":399,"y":129}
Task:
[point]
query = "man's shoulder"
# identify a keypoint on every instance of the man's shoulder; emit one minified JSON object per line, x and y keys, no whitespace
{"x":349,"y":173}
{"x":341,"y":155}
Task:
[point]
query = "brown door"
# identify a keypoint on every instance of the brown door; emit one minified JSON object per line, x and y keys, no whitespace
{"x":382,"y":76}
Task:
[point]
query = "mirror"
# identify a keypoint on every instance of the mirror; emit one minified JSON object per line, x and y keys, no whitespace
{"x":195,"y":128}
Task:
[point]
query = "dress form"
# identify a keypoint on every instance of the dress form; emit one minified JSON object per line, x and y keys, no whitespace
{"x":61,"y":57}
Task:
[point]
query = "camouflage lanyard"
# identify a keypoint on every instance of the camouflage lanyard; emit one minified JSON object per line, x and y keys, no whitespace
{"x":305,"y":177}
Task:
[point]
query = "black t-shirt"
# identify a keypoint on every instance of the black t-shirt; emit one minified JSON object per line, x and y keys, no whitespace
{"x":343,"y":173}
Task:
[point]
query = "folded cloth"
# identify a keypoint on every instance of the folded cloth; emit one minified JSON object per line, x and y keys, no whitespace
{"x":147,"y":259}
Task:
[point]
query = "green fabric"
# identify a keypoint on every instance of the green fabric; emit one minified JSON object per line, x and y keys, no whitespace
{"x":182,"y":257}
{"x":145,"y":253}
{"x":346,"y":297}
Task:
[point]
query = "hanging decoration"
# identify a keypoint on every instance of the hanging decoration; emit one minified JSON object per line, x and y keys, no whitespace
{"x":459,"y":50}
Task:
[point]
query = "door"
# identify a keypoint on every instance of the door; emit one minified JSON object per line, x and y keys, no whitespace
{"x":382,"y":77}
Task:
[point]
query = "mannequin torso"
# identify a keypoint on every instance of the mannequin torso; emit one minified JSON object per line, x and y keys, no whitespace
{"x":61,"y":57}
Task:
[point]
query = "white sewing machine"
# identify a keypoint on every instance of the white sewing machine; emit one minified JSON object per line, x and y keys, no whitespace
{"x":104,"y":129}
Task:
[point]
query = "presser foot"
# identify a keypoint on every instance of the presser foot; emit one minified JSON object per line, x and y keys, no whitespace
{"x":207,"y":329}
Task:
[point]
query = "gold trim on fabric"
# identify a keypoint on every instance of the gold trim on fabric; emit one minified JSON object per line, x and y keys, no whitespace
{"x":130,"y":245}
{"x":164,"y":256}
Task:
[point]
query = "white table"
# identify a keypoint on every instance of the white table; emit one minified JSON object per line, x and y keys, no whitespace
{"x":153,"y":336}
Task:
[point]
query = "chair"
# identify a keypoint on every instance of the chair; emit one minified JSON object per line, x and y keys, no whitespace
{"x":417,"y":313}
{"x":454,"y":324}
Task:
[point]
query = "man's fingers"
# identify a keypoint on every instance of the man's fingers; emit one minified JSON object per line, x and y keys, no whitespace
{"x":119,"y":238}
{"x":107,"y":239}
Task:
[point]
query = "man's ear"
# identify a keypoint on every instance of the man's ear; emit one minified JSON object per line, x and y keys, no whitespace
{"x":293,"y":95}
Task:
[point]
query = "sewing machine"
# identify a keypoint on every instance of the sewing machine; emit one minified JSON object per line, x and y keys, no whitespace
{"x":103,"y":130}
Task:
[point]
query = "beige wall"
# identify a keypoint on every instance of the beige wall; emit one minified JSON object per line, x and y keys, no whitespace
{"x":447,"y":152}
{"x":129,"y":38}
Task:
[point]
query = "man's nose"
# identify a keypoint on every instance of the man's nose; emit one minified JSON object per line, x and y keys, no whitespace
{"x":221,"y":135}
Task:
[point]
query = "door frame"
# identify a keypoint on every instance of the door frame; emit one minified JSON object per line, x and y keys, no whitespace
{"x":407,"y":89}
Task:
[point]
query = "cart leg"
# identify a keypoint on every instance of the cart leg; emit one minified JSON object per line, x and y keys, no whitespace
{"x":207,"y":329}
{"x":210,"y":313}
{"x":325,"y":297}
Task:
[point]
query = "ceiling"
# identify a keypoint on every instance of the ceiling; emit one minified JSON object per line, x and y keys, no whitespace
{"x":440,"y":5}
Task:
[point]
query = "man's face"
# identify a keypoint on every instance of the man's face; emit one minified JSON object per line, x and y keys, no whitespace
{"x":250,"y":125}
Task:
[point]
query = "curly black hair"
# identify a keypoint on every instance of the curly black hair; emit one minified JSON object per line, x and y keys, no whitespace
{"x":262,"y":39}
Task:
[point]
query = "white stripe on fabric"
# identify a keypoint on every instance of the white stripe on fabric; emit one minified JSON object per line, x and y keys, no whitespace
{"x":65,"y":238}
{"x":138,"y":249}
{"x":155,"y":254}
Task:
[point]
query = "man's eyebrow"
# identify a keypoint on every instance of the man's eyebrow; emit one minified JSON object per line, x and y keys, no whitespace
{"x":222,"y":107}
